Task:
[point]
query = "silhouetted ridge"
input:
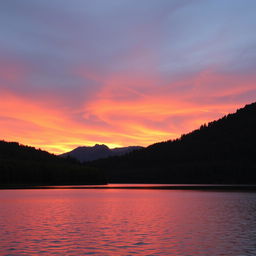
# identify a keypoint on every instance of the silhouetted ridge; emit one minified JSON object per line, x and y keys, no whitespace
{"x":23,"y":165}
{"x":221,"y":152}
{"x":85,"y":154}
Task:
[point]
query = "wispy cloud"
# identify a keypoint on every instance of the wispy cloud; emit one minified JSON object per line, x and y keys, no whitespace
{"x":121,"y":72}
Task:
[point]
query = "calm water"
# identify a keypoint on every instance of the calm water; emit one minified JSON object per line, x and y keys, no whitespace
{"x":127,"y":222}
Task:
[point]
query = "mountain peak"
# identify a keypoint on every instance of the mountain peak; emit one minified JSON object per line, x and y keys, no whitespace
{"x":98,"y":151}
{"x":101,"y":146}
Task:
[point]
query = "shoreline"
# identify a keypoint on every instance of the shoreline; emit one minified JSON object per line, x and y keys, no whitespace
{"x":206,"y":187}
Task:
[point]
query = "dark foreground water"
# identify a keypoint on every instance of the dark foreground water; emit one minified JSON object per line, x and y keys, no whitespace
{"x":127,"y":222}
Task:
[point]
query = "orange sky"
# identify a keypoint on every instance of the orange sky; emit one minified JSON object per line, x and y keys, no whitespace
{"x":122,"y":73}
{"x":118,"y":115}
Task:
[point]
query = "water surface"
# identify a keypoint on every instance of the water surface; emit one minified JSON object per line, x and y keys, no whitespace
{"x":127,"y":222}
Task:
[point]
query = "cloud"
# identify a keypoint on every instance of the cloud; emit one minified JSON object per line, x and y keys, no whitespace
{"x":121,"y":72}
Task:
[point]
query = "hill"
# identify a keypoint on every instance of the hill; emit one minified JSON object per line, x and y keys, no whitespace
{"x":85,"y":154}
{"x":23,"y":165}
{"x":222,"y":151}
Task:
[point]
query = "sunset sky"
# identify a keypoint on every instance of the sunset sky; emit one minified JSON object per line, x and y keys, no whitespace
{"x":121,"y":72}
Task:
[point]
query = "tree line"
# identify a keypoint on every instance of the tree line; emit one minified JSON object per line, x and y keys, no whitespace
{"x":221,"y":151}
{"x":24,"y":165}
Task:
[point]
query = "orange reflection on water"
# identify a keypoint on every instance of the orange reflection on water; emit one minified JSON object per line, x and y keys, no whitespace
{"x":126,"y":222}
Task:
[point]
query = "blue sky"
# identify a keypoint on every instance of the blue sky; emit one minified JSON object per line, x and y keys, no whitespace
{"x":166,"y":66}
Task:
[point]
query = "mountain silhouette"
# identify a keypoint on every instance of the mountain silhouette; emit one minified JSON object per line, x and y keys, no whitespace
{"x":222,"y":151}
{"x":85,"y":154}
{"x":219,"y":152}
{"x":27,"y":166}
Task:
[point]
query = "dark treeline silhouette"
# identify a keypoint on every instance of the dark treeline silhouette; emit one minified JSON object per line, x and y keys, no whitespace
{"x":23,"y":165}
{"x":222,"y":151}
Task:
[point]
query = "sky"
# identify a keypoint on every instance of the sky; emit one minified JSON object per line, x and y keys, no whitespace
{"x":121,"y":72}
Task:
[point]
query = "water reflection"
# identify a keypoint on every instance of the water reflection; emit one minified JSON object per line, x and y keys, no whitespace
{"x":127,"y":222}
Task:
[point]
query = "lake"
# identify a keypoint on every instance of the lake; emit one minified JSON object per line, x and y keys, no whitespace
{"x":127,"y":222}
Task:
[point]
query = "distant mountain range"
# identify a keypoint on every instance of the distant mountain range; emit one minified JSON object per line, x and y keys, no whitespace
{"x":85,"y":154}
{"x":222,"y":151}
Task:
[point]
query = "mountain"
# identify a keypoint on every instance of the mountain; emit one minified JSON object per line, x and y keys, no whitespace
{"x":85,"y":154}
{"x":223,"y":151}
{"x":27,"y":166}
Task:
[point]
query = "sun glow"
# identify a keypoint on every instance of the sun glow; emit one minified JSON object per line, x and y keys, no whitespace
{"x":104,"y":119}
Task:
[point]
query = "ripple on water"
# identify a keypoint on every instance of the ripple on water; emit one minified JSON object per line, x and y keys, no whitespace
{"x":127,"y":222}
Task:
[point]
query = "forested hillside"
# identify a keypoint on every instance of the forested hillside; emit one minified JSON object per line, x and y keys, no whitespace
{"x":28,"y":166}
{"x":222,"y":151}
